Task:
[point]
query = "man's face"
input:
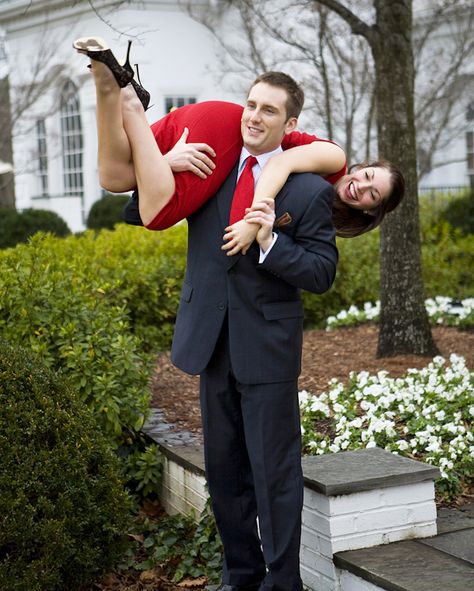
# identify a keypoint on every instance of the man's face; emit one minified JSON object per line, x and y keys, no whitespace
{"x":264,"y":120}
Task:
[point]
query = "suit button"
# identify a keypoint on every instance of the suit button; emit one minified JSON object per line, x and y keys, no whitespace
{"x":221,"y":306}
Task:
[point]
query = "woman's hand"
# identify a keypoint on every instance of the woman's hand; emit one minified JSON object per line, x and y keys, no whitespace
{"x":239,"y":236}
{"x":262,"y":216}
{"x":191,"y":157}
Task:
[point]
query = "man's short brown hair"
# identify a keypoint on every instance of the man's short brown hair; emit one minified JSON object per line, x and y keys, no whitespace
{"x":295,"y":100}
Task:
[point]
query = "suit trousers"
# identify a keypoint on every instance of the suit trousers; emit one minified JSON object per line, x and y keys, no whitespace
{"x":252,"y":447}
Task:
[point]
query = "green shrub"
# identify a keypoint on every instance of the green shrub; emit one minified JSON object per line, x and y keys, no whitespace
{"x":459,"y":213}
{"x":64,"y":510}
{"x":16,"y":227}
{"x":357,"y":279}
{"x":106,"y":212}
{"x":447,"y":257}
{"x":59,"y":302}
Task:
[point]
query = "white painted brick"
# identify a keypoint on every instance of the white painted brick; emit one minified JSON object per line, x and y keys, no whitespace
{"x":316,"y":581}
{"x":360,"y":501}
{"x":409,"y":494}
{"x":316,"y":521}
{"x":385,"y":517}
{"x":384,"y":536}
{"x":355,"y":542}
{"x":311,"y":578}
{"x":423,"y":512}
{"x":384,"y":497}
{"x":316,"y":541}
{"x":317,"y":562}
{"x":350,"y":582}
{"x":315,"y":500}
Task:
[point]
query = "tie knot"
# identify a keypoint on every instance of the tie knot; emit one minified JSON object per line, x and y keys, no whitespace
{"x":251,"y":162}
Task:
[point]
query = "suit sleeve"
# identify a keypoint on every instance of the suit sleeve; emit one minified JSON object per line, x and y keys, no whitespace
{"x":308,"y":258}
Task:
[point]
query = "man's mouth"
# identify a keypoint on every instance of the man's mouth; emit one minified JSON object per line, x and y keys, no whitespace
{"x":253,"y":130}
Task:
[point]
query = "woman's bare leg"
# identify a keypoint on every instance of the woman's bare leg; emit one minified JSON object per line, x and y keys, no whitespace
{"x":116,"y":170}
{"x":154,"y":177}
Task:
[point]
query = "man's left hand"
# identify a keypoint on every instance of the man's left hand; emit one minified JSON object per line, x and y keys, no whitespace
{"x":262,"y":213}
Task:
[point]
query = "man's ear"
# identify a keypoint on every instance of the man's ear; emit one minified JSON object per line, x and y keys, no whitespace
{"x":291,"y":125}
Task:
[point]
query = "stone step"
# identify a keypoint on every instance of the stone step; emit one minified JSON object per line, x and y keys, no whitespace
{"x":442,"y":563}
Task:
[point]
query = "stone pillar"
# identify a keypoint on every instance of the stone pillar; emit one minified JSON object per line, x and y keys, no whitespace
{"x":360,"y":499}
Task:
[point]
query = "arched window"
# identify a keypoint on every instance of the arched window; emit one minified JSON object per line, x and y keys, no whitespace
{"x":71,"y":140}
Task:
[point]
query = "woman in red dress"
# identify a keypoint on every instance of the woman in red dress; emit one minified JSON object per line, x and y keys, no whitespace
{"x":182,"y":159}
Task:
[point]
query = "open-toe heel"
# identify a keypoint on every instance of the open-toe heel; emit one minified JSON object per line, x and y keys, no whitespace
{"x":142,"y":94}
{"x":96,"y":48}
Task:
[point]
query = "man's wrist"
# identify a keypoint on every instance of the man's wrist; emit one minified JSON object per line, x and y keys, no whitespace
{"x":266,"y":243}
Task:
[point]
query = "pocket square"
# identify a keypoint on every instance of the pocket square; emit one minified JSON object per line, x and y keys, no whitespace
{"x":283,"y":220}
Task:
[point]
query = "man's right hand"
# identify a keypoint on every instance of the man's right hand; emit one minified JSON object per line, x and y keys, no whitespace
{"x":191,"y":157}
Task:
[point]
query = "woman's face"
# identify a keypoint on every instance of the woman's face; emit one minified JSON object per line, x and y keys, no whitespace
{"x":365,"y":188}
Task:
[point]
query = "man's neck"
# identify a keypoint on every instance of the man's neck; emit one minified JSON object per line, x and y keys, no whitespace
{"x":261,"y":158}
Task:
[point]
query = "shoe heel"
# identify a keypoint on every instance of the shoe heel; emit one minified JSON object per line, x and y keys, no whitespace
{"x":127,"y":66}
{"x":142,"y":94}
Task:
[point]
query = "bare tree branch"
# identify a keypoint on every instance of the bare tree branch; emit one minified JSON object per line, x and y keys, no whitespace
{"x":358,"y":27}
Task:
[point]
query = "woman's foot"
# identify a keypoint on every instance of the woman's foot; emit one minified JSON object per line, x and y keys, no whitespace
{"x":97,"y":49}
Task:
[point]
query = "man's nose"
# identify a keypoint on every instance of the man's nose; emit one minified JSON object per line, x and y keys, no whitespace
{"x":255,"y":115}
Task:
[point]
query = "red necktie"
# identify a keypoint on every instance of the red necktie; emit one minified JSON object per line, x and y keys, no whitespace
{"x":244,"y":190}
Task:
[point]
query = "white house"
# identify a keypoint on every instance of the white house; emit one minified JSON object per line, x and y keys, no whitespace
{"x":55,"y":142}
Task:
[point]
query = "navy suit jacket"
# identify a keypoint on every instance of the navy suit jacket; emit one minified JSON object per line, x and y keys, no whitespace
{"x":262,"y":301}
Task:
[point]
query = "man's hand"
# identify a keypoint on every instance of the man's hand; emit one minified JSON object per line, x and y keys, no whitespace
{"x":239,"y":236}
{"x":191,"y":157}
{"x":262,"y":213}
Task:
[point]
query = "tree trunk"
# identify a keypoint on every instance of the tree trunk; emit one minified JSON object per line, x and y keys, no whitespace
{"x":404,"y":325}
{"x":7,"y":184}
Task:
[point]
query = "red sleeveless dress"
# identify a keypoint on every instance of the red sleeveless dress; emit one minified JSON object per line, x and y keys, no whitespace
{"x":216,"y":123}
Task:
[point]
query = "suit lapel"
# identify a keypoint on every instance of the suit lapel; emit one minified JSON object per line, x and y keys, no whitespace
{"x":224,"y":197}
{"x":280,"y":200}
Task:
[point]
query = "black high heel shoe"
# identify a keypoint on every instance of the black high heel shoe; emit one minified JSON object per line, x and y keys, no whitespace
{"x":142,"y":94}
{"x":96,"y":48}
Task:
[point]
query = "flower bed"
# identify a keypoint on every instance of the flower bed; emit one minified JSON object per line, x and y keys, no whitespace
{"x":426,"y":415}
{"x":441,"y":310}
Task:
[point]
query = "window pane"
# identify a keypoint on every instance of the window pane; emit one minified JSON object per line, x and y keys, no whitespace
{"x":71,"y":140}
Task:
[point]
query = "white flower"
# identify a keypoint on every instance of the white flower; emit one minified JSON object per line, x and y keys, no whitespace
{"x":370,"y":444}
{"x":401,"y":444}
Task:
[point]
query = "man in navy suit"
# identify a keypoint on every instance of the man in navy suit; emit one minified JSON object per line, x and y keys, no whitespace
{"x":240,"y":326}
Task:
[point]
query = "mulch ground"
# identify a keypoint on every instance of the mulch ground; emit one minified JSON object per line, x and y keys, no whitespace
{"x":326,"y":355}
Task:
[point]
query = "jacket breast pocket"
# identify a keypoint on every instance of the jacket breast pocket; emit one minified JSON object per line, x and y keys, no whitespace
{"x":186,"y":292}
{"x":280,"y":310}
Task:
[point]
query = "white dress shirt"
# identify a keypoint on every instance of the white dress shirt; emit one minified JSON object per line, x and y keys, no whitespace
{"x":262,"y":159}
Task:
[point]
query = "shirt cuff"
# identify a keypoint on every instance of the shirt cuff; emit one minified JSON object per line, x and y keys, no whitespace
{"x":263,"y":255}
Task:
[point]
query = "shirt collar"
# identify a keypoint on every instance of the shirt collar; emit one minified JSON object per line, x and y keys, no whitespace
{"x":262,"y":159}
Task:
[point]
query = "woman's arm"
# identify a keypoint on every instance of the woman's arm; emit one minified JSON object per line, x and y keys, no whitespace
{"x":320,"y":157}
{"x":323,"y":158}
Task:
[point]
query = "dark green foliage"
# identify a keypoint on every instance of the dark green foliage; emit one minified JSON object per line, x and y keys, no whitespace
{"x":182,"y":548}
{"x":106,"y":212}
{"x":357,"y":279}
{"x":16,"y":227}
{"x":460,"y":213}
{"x":58,"y":300}
{"x":64,"y":512}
